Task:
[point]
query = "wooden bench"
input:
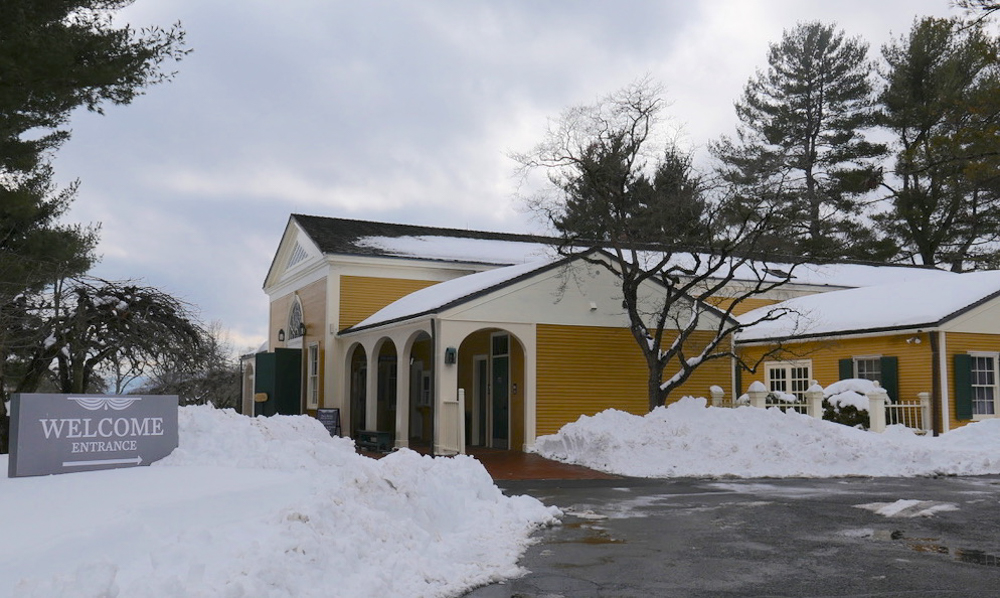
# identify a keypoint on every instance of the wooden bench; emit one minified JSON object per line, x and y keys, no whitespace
{"x":374,"y":440}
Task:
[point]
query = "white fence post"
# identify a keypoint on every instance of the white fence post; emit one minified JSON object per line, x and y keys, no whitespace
{"x":876,"y":408}
{"x":925,"y":411}
{"x":717,"y":395}
{"x":814,"y":400}
{"x":758,"y":395}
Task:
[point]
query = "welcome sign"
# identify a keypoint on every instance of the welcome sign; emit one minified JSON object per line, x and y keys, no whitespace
{"x":58,"y":433}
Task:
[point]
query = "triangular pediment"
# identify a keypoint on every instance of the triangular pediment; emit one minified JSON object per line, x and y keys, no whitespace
{"x":296,"y":252}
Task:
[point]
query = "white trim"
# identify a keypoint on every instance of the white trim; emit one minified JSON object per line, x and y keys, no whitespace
{"x":834,"y":336}
{"x":313,"y":362}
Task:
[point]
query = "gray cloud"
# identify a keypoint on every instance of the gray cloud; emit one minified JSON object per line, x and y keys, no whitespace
{"x":399,"y":111}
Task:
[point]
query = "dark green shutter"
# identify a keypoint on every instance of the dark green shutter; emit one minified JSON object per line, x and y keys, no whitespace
{"x":890,"y":377}
{"x":846,"y":368}
{"x":963,"y":386}
{"x":739,"y":382}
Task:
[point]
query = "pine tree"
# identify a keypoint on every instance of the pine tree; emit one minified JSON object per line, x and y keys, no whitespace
{"x":800,"y":140}
{"x":942,"y":103}
{"x":56,"y":56}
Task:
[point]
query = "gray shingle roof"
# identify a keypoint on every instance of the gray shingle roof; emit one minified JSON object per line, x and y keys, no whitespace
{"x":341,"y":235}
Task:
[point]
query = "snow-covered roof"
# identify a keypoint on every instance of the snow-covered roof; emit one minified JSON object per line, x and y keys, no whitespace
{"x":434,"y":298}
{"x":924,"y":302}
{"x":853,"y":275}
{"x":382,"y":239}
{"x":457,"y":249}
{"x":836,"y":274}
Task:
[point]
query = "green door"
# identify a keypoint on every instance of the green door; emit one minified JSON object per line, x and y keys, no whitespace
{"x":500,"y":387}
{"x":279,"y":376}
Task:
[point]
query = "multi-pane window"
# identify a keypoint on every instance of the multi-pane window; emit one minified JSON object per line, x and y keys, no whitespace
{"x":790,"y":377}
{"x":984,"y":386}
{"x":312,"y":384}
{"x":868,"y":368}
{"x":295,"y":327}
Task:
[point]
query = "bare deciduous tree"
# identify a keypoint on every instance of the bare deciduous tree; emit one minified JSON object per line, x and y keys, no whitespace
{"x":605,"y":155}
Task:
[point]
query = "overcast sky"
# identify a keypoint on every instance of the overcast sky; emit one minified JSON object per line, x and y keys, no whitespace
{"x":391,"y":111}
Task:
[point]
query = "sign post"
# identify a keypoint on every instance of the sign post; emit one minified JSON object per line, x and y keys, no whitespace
{"x":58,"y":433}
{"x":330,"y":418}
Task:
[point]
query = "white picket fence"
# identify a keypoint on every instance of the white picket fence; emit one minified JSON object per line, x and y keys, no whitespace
{"x":914,"y":414}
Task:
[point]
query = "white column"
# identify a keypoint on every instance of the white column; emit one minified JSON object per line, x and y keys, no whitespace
{"x":758,"y":395}
{"x":402,"y":399}
{"x":876,"y":408}
{"x":814,"y":400}
{"x":371,"y":392}
{"x":717,"y":395}
{"x":925,"y":411}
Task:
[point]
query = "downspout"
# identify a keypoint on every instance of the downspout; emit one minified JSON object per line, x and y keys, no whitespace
{"x":937,"y":382}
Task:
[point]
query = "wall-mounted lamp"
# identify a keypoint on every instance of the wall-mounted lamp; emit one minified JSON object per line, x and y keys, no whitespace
{"x":450,"y":355}
{"x":302,"y":328}
{"x":913,"y":340}
{"x":281,"y":335}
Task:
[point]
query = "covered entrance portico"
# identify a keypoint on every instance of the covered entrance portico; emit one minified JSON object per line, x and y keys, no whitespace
{"x":439,"y":384}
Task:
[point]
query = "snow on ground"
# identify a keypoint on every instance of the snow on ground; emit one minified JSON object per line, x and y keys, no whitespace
{"x":689,"y":439}
{"x":909,"y":508}
{"x":255,"y":507}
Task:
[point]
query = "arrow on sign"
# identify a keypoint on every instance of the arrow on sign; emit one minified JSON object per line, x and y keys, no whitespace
{"x":133,"y":461}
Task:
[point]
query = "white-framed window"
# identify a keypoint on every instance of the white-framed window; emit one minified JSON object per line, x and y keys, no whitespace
{"x":312,"y":379}
{"x":868,"y":367}
{"x":984,"y":384}
{"x":790,"y":377}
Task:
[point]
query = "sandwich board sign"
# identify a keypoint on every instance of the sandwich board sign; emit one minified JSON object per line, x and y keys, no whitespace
{"x":62,"y":433}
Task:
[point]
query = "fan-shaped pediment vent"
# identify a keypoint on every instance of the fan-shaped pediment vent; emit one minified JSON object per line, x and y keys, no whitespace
{"x":297,"y":256}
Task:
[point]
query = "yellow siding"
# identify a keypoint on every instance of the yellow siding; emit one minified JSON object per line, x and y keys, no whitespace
{"x":279,"y":318}
{"x":361,"y":296}
{"x":744,"y":306}
{"x":915,"y":360}
{"x":583,"y":370}
{"x":960,"y":343}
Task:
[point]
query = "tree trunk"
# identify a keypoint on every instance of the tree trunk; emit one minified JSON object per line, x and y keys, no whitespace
{"x":653,"y":381}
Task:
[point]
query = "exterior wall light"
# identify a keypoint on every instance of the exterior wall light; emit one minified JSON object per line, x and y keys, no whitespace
{"x":281,"y":335}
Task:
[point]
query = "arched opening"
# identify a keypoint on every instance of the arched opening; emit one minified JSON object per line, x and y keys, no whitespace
{"x":359,"y":388}
{"x":491,"y":371}
{"x":385,"y":395}
{"x":421,"y":420}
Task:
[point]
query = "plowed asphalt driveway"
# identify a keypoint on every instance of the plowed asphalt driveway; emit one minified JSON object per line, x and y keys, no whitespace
{"x":789,"y":537}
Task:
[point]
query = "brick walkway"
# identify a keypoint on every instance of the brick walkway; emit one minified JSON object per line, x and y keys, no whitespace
{"x":515,"y":465}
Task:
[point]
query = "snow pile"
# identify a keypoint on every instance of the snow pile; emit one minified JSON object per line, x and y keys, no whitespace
{"x":689,"y":439}
{"x":252,"y":507}
{"x":851,"y":392}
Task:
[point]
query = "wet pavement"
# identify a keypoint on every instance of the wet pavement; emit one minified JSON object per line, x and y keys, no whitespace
{"x":726,"y":538}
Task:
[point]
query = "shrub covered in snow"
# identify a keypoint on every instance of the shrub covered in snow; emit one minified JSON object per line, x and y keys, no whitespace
{"x":846,"y":402}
